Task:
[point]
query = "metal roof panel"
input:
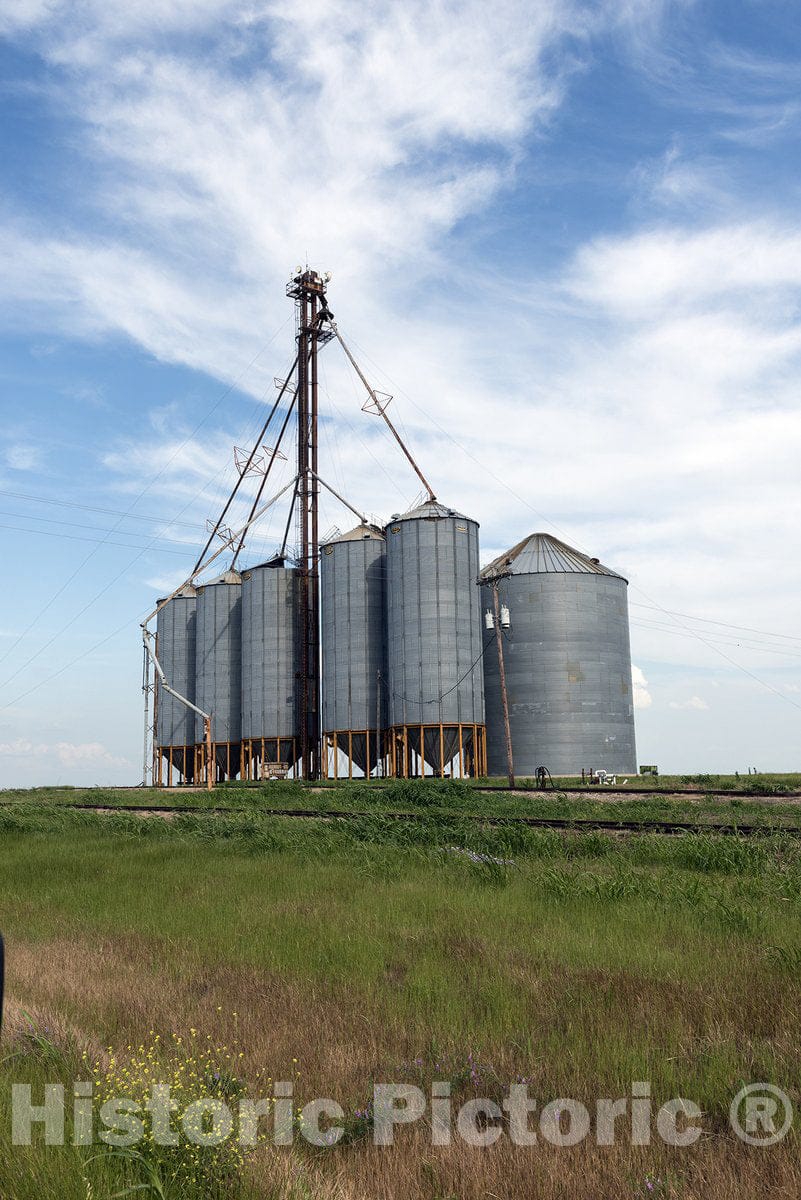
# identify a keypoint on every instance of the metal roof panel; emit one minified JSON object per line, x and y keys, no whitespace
{"x":539,"y":554}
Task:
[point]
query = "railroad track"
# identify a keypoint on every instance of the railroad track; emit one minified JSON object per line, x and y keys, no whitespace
{"x":593,"y":824}
{"x":592,"y":793}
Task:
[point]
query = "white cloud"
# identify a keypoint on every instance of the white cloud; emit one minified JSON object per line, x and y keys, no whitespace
{"x":642,"y":697}
{"x":19,"y":746}
{"x":638,"y":275}
{"x":83,"y":754}
{"x":679,"y":181}
{"x":406,"y":118}
{"x":694,"y":702}
{"x":66,"y":754}
{"x":23,"y":457}
{"x":25,"y":15}
{"x":660,"y":363}
{"x":75,"y":29}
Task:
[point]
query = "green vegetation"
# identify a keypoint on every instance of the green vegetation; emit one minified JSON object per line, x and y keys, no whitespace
{"x":38,"y":1058}
{"x":758,"y":807}
{"x":373,"y":948}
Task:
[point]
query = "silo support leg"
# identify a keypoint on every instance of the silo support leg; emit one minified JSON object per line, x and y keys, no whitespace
{"x":209,"y":752}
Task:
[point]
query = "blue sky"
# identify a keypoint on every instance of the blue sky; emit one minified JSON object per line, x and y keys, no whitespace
{"x":564,"y":235}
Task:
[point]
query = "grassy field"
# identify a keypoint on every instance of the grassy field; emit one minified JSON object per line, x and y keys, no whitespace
{"x":342,"y":953}
{"x":765,"y":800}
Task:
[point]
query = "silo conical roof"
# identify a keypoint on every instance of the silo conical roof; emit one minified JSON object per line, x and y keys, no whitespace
{"x":359,"y":533}
{"x":431,"y":510}
{"x":539,"y":554}
{"x":187,"y":592}
{"x":228,"y":576}
{"x":274,"y":563}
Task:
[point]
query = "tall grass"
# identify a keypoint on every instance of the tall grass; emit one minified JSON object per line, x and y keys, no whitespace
{"x":578,"y":961}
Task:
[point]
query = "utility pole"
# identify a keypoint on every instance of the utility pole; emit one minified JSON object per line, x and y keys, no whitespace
{"x":147,"y":756}
{"x":502,"y":676}
{"x":307,"y":289}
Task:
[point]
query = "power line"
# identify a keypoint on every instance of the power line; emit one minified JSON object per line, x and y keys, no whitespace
{"x":79,"y":657}
{"x":97,"y":528}
{"x":104,"y":541}
{"x":362,"y":443}
{"x":757,"y":647}
{"x":692,"y":633}
{"x":74,"y":537}
{"x":55,"y":674}
{"x":398,"y":415}
{"x":709,"y":621}
{"x":113,"y":512}
{"x":114,"y":529}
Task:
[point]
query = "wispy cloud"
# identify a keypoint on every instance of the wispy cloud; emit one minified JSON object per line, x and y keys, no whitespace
{"x":634,"y":388}
{"x":410,"y":119}
{"x":674,"y":267}
{"x":695,"y":703}
{"x":65,"y":754}
{"x":739,"y":94}
{"x":679,"y":180}
{"x":23,"y":457}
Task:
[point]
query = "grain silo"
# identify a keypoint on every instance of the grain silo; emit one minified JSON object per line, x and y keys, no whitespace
{"x":175,"y":722}
{"x":567,"y":659}
{"x":435,"y":692}
{"x":271,"y":665}
{"x":353,"y":603}
{"x":218,"y":669}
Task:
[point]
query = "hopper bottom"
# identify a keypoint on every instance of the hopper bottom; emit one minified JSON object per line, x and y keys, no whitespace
{"x":226,"y":757}
{"x":173,"y":765}
{"x":269,"y":757}
{"x":457,"y":751}
{"x":360,"y":748}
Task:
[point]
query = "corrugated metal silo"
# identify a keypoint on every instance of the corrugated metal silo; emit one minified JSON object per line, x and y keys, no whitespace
{"x":435,"y":681}
{"x":175,"y":723}
{"x":567,"y":660}
{"x":271,"y":664}
{"x":218,"y":668}
{"x":352,"y":593}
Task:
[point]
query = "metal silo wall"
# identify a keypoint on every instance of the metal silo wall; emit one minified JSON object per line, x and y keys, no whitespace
{"x":175,"y":628}
{"x":218,"y":659}
{"x":353,"y":601}
{"x":270,"y":653}
{"x":568,"y":675}
{"x":433,"y":622}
